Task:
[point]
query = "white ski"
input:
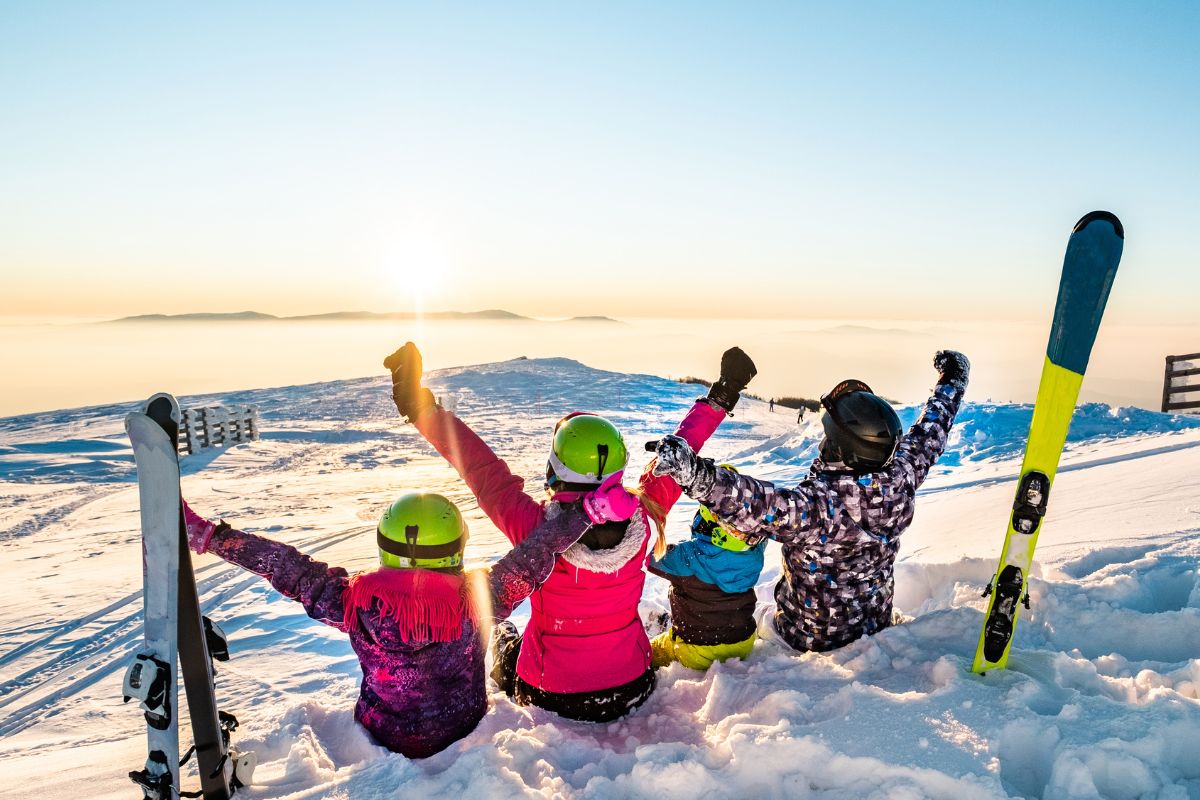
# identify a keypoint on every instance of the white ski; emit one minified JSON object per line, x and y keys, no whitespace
{"x":151,"y":678}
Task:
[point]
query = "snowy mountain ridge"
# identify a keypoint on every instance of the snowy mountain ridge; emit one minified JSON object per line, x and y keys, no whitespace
{"x":1102,"y":700}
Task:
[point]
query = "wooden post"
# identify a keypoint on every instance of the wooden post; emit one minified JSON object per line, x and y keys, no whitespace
{"x":1184,"y":388}
{"x":206,"y":419}
{"x":193,"y":444}
{"x":1166,"y":403}
{"x":222,"y":425}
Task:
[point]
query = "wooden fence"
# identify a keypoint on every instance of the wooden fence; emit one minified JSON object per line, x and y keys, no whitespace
{"x":1180,"y":379}
{"x":218,"y":426}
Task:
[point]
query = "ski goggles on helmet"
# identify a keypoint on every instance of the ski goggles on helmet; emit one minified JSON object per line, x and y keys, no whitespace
{"x":705,"y":525}
{"x":830,"y":398}
{"x":416,"y":553}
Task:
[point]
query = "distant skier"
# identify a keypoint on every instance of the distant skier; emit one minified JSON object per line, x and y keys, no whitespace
{"x":584,"y":653}
{"x":800,"y":416}
{"x":771,"y":406}
{"x":840,"y":528}
{"x":419,"y":624}
{"x":712,"y":597}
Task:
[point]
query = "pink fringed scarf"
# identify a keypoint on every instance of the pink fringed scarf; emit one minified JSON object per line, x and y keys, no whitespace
{"x":427,"y":606}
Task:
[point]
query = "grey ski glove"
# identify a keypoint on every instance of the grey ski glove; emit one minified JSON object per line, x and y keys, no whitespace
{"x":676,"y":458}
{"x":953,"y":368}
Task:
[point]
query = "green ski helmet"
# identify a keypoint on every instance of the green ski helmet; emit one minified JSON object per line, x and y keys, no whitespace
{"x":421,"y":529}
{"x":705,"y":525}
{"x":586,"y":449}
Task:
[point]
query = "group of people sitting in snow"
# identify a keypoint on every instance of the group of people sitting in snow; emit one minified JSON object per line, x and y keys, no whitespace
{"x":421,"y":624}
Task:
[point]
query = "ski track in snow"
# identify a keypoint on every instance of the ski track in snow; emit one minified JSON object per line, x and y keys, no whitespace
{"x":94,"y":655}
{"x":1102,"y":698}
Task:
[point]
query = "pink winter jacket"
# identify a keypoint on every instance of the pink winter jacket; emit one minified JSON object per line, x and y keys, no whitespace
{"x":584,"y":634}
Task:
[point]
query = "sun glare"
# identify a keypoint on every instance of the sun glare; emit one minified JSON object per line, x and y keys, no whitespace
{"x":416,"y":269}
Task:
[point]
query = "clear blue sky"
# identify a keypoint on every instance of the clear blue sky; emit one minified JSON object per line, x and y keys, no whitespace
{"x":920,"y":160}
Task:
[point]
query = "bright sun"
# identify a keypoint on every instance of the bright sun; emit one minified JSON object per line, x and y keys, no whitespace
{"x":416,"y":268}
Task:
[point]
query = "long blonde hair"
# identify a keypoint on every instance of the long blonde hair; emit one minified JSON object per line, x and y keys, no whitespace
{"x":656,"y":514}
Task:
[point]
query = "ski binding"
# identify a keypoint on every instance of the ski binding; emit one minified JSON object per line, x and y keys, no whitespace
{"x":146,"y":680}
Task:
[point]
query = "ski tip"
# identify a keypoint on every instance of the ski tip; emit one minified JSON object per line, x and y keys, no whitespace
{"x":162,"y":407}
{"x":1106,"y":216}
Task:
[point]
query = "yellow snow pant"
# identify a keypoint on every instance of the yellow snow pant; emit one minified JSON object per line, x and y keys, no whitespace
{"x":666,"y":647}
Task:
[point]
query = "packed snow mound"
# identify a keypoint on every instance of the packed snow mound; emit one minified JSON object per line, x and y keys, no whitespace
{"x":986,"y":431}
{"x":1102,"y":699}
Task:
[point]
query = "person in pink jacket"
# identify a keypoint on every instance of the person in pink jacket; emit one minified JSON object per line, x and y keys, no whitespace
{"x":584,"y":653}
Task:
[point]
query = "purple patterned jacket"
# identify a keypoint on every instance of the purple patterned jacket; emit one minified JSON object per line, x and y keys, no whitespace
{"x":840,"y":531}
{"x":418,"y":695}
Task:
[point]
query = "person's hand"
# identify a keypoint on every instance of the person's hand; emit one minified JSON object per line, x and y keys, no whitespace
{"x":675,"y":457}
{"x":610,"y":502}
{"x":737,"y":370}
{"x":953,"y":368}
{"x":411,"y":398}
{"x":199,"y":530}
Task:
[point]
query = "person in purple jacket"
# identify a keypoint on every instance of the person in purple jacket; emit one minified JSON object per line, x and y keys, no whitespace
{"x":419,"y":624}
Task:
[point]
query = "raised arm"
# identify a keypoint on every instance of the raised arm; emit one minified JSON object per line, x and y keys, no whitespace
{"x":755,"y":508}
{"x":500,"y":493}
{"x":925,"y":441}
{"x":701,"y":421}
{"x":761,"y":509}
{"x":315,"y":585}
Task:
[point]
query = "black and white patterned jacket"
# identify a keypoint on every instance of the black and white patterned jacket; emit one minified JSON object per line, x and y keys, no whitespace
{"x":840,"y":532}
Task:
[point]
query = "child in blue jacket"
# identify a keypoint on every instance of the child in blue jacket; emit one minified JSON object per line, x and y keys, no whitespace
{"x":712,"y":578}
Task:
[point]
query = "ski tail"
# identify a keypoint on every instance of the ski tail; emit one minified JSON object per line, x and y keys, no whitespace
{"x":1089,"y":268}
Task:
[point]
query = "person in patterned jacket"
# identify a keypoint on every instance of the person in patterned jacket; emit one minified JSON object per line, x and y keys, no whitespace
{"x":419,"y":624}
{"x":841,"y":527}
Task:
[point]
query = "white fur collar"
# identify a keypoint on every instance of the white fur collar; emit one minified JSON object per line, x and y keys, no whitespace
{"x":607,"y":561}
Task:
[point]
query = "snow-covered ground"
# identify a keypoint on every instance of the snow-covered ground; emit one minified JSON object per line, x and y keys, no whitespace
{"x":1102,"y":698}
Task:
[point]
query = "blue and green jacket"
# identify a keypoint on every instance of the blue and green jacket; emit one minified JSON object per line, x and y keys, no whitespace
{"x":712,"y":590}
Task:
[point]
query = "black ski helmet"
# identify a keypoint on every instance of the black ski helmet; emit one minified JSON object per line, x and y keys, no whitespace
{"x":861,"y":428}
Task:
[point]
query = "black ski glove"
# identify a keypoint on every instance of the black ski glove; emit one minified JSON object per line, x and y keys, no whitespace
{"x":736,"y":372}
{"x":953,"y":368}
{"x":676,"y":458}
{"x":412,"y":399}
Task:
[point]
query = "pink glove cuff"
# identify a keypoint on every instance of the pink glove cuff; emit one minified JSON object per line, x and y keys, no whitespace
{"x":199,"y":530}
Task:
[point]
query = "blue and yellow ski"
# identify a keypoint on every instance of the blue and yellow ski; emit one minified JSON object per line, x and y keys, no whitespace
{"x":1093,"y":253}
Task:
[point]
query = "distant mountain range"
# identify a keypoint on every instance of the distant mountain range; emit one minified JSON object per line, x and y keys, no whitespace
{"x":347,"y":316}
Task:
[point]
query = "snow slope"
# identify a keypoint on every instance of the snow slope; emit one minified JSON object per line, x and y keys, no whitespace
{"x":1102,"y":698}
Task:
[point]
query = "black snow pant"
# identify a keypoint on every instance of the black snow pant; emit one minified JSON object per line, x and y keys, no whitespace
{"x":600,"y":705}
